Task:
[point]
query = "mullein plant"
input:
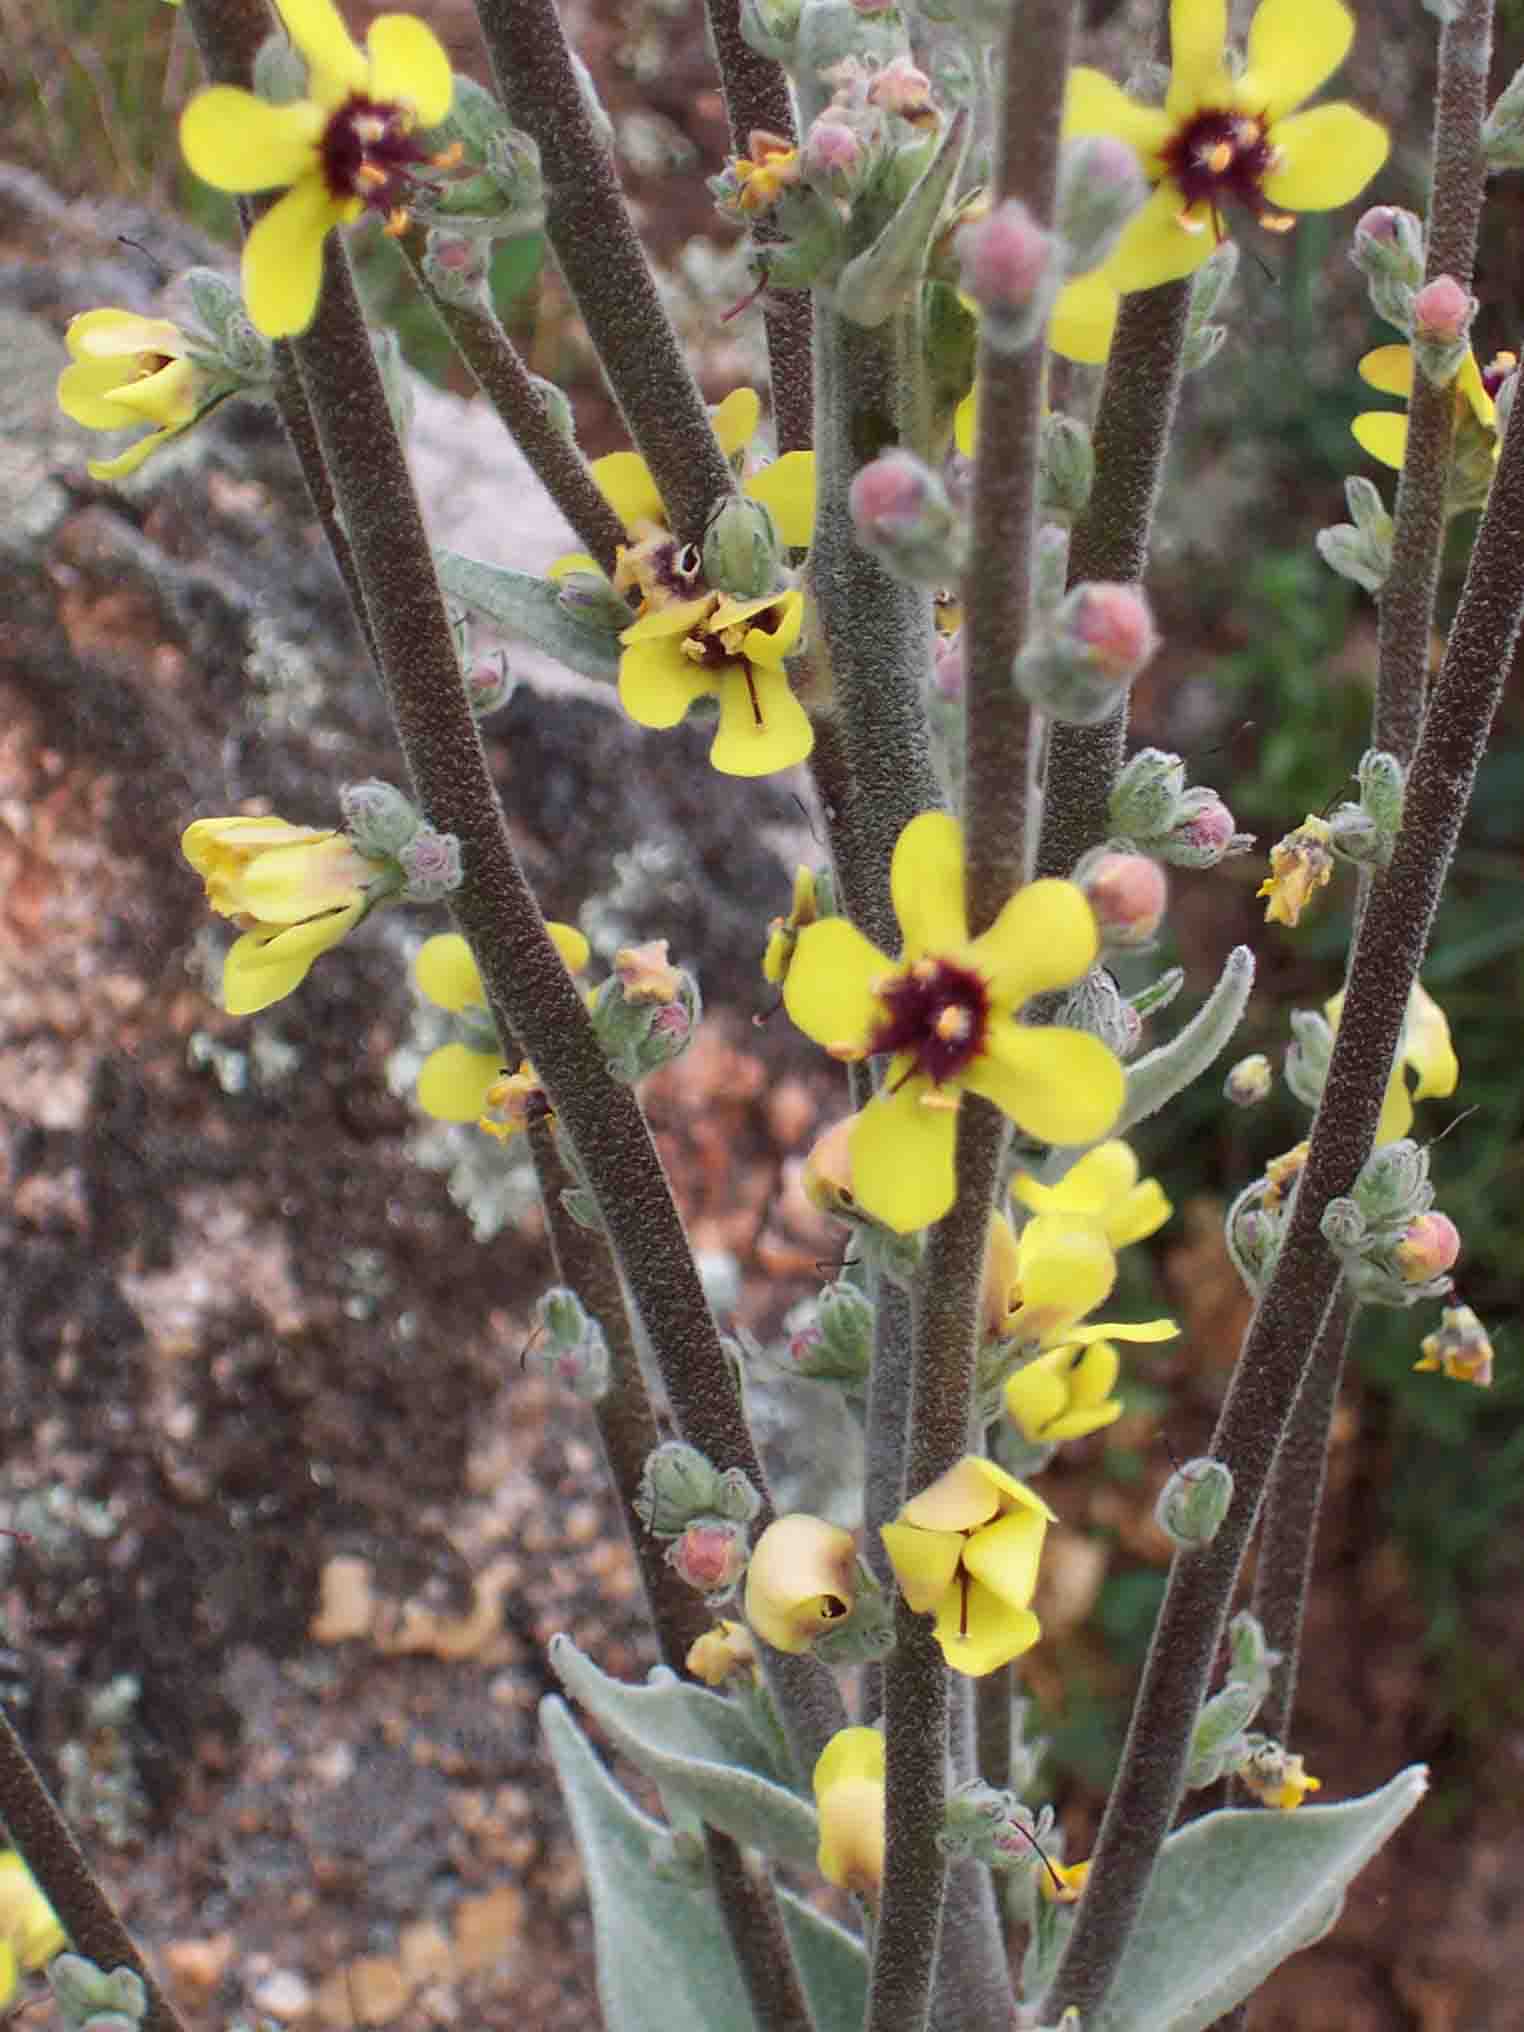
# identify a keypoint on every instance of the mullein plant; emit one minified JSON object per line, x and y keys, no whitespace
{"x":927,"y":586}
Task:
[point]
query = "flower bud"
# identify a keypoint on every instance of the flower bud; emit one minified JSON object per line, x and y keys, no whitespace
{"x":1097,"y":1005}
{"x":811,"y":900}
{"x":378,"y":818}
{"x":1276,"y":1777}
{"x":710,"y":1555}
{"x":568,"y":1346}
{"x":901,"y":89}
{"x":1249,"y":1082}
{"x":678,"y":1484}
{"x":489,"y":685}
{"x":901,"y":513}
{"x":1388,"y":250}
{"x":1193,"y":1503}
{"x":802,"y":1580}
{"x":1100,"y":186}
{"x":1252,"y":1660}
{"x":723,"y":1653}
{"x":1459,"y":1347}
{"x":771,"y":27}
{"x":834,"y":156}
{"x":1393,"y":1186}
{"x":233,"y":340}
{"x":1067,"y":472}
{"x":981,"y":1824}
{"x":646,"y":1012}
{"x":1343,"y":1226}
{"x":456,"y":267}
{"x":82,"y":1989}
{"x":1013,"y":270}
{"x":1128,"y":893}
{"x":1148,"y":791}
{"x":741,"y":549}
{"x":834,"y":1342}
{"x":849,"y":1795}
{"x":431,"y":863}
{"x":1442,"y":315}
{"x":1217,"y":1739}
{"x":1078,"y":666}
{"x":1204,"y":833}
{"x":1307,"y":1056}
{"x":1428,"y":1248}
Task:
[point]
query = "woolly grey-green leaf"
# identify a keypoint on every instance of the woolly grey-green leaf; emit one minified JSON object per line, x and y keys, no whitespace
{"x":700,"y":1748}
{"x":532,"y":608}
{"x":664,"y":1962}
{"x":1234,"y":1895}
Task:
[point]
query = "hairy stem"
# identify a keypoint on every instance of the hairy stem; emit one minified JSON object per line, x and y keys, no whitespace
{"x":596,"y":247}
{"x":754,"y":1925}
{"x":1393,"y":936}
{"x":1132,"y":433}
{"x":915,"y":1869}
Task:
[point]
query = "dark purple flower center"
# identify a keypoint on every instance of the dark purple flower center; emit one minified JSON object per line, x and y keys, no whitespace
{"x":938,"y":1013}
{"x":368,"y":151}
{"x":1497,"y":371}
{"x":1220,"y":159}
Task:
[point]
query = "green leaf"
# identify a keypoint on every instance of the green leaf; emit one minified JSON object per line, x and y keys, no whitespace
{"x":1234,"y":1895}
{"x":530,"y":607}
{"x":664,"y":1961}
{"x":699,"y":1748}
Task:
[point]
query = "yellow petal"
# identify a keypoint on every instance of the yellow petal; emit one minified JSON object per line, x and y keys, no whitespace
{"x":902,"y":1156}
{"x":1094,"y":105}
{"x":1396,"y":1109}
{"x":1198,"y":29}
{"x":624,"y":480}
{"x":171,"y":396}
{"x":335,"y":67}
{"x":786,"y":489}
{"x":28,"y":1923}
{"x":1141,"y":1213}
{"x":570,"y":944}
{"x":979,"y":1632}
{"x":1156,"y":248}
{"x":264,"y":967}
{"x":1035,"y":1396}
{"x":1060,"y":1086}
{"x":966,"y":421}
{"x":1427,"y":1048}
{"x":1082,"y":1421}
{"x":926,"y":884}
{"x":1384,"y":434}
{"x":446,"y":973}
{"x":1005,"y":1555}
{"x":1084,"y":319}
{"x":1295,"y":46}
{"x":852,"y":1833}
{"x":283,"y":258}
{"x":1390,"y":369}
{"x":9,"y":1975}
{"x":1143,"y":1330}
{"x":802,"y":1577}
{"x":829,"y":989}
{"x":236,"y":142}
{"x":127,"y":462}
{"x":773,"y":643}
{"x":454,"y":1081}
{"x":1089,"y":1186}
{"x":763,"y":728}
{"x":1044,"y":938}
{"x":86,"y":391}
{"x":681,"y":617}
{"x":108,"y":334}
{"x":924,"y":1562}
{"x":1067,"y":1269}
{"x":851,"y":1753}
{"x":657,"y":683}
{"x":408,"y":67}
{"x":1325,"y":157}
{"x":735,"y":419}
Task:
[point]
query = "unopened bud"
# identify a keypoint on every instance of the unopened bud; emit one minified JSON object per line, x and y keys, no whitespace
{"x":900,"y":512}
{"x":1388,"y":250}
{"x":82,"y":1989}
{"x":489,"y":685}
{"x":646,"y":1012}
{"x":711,"y":1554}
{"x":1128,"y":893}
{"x":455,"y":266}
{"x":1148,"y":791}
{"x":1393,"y":1185}
{"x":1442,"y":315}
{"x":1116,"y":625}
{"x":567,"y":1345}
{"x":722,"y":1653}
{"x":378,"y":818}
{"x":1428,"y":1248}
{"x":834,"y":1344}
{"x":1067,"y":470}
{"x":1194,"y":1501}
{"x":1459,"y":1347}
{"x":1078,"y":666}
{"x":741,"y":549}
{"x":834,"y":156}
{"x":1249,"y":1082}
{"x":431,"y":863}
{"x":1100,"y":186}
{"x":771,"y":27}
{"x":678,"y":1485}
{"x":900,"y":88}
{"x":1253,"y":1661}
{"x":1217,"y":1739}
{"x":802,"y":1580}
{"x":1013,"y":270}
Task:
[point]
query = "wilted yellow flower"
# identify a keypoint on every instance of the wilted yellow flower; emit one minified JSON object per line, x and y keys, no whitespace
{"x":1277,"y":1778}
{"x":1459,"y":1347}
{"x":783,"y":932}
{"x":802,"y":1579}
{"x":721,"y":1653}
{"x":1062,"y":1883}
{"x":1300,"y":865}
{"x":30,"y":1934}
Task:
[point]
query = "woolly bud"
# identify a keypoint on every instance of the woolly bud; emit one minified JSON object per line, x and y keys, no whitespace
{"x":489,"y":685}
{"x":1128,"y":893}
{"x":771,"y":27}
{"x":1360,"y":549}
{"x":1249,"y":1082}
{"x":710,"y":1554}
{"x":1147,"y":794}
{"x":741,"y":549}
{"x":378,"y":818}
{"x":645,"y":1014}
{"x":1193,"y":1503}
{"x":1428,"y":1248}
{"x":678,"y":1485}
{"x":455,"y":266}
{"x":568,"y":1346}
{"x":1095,"y":645}
{"x":1217,"y":1739}
{"x":1442,"y":315}
{"x":1013,"y":270}
{"x":1203,"y":834}
{"x":1101,"y":186}
{"x":431,"y":863}
{"x":833,"y":156}
{"x":1067,"y":470}
{"x":900,"y":512}
{"x":1388,"y":250}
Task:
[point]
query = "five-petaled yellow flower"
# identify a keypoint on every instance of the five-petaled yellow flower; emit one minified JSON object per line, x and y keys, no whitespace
{"x":294,"y":890}
{"x":456,"y":1080}
{"x":945,"y":1016}
{"x":1384,"y":432}
{"x":350,"y":144}
{"x":967,"y":1549}
{"x":1221,"y":140}
{"x":125,"y":370}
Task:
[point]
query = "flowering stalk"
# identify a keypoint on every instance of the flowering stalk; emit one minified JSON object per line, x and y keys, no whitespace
{"x":1406,"y":605}
{"x":1393,"y":937}
{"x":505,"y":381}
{"x":605,"y":267}
{"x":1132,"y":433}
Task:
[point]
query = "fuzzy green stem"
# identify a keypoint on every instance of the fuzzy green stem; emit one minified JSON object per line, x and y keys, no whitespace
{"x":503,"y":378}
{"x":757,"y":96}
{"x":997,"y":592}
{"x":1393,"y":936}
{"x":1132,"y":433}
{"x":598,"y":252}
{"x":1406,"y":606}
{"x":58,"y":1863}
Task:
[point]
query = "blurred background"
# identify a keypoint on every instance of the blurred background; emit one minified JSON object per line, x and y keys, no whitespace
{"x":297,"y":1526}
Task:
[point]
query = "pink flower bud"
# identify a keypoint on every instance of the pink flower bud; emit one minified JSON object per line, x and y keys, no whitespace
{"x":710,"y":1555}
{"x":900,"y":88}
{"x":1428,"y":1249}
{"x":1442,"y":311}
{"x":832,"y":150}
{"x":1116,"y":625}
{"x":889,"y":497}
{"x":1006,"y":258}
{"x":1128,"y":893}
{"x":948,"y":667}
{"x":1210,"y":829}
{"x":1379,"y":224}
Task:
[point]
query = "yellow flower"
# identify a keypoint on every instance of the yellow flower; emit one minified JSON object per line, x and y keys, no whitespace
{"x":802,"y":1578}
{"x":294,"y":890}
{"x":1459,"y":1347}
{"x":968,"y":1549}
{"x":721,"y":1653}
{"x":350,"y":144}
{"x":1065,"y":1394}
{"x":762,"y":177}
{"x":30,"y":1934}
{"x":1062,"y":1883}
{"x":1384,"y":432}
{"x":849,"y":1793}
{"x":1425,"y":1051}
{"x":456,"y":1080}
{"x":945,"y":1015}
{"x":1300,"y":865}
{"x":1103,"y":1186}
{"x":733,"y":650}
{"x":1221,"y":140}
{"x":126,"y":370}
